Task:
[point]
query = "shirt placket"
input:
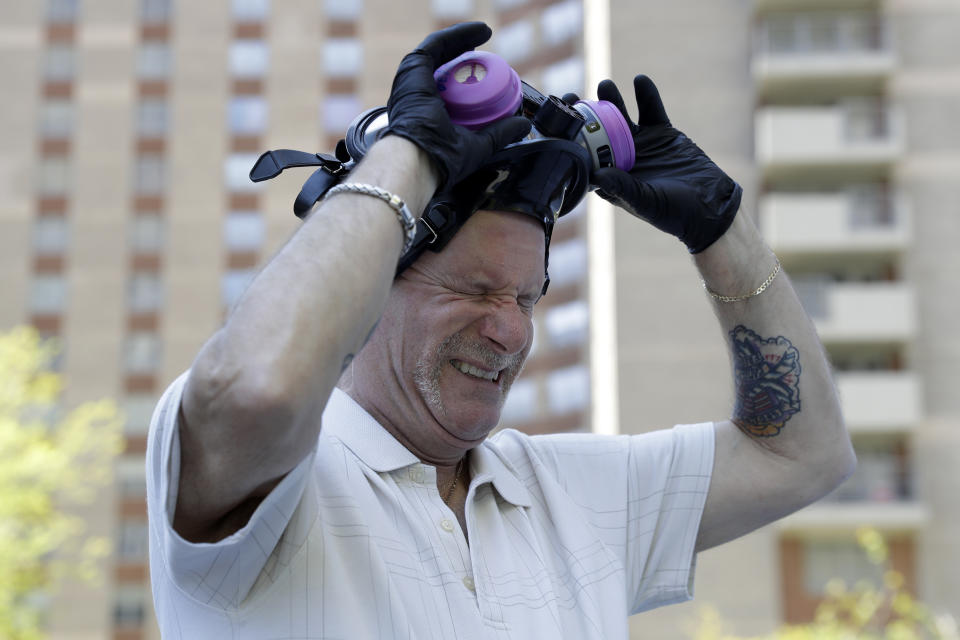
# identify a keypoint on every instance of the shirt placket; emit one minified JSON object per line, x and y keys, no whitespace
{"x":447,"y":529}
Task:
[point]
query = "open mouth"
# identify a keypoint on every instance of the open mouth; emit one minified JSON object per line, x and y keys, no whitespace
{"x":475,"y":372}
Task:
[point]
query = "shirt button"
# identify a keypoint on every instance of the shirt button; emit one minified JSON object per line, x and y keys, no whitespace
{"x":446,"y":525}
{"x":468,"y":583}
{"x":416,"y":474}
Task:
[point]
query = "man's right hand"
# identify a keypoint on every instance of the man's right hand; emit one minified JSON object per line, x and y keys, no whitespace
{"x":417,"y":112}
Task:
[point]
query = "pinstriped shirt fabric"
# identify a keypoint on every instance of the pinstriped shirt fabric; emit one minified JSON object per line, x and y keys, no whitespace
{"x":569,"y":534}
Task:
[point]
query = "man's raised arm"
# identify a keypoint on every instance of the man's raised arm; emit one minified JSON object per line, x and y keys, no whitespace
{"x":252,"y":403}
{"x":785,"y":444}
{"x":251,"y":406}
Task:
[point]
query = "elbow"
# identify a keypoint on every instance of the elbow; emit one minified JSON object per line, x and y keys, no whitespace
{"x":222,"y":390}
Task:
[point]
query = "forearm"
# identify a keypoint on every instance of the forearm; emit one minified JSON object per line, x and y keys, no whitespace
{"x":785,"y":396}
{"x":283,"y":347}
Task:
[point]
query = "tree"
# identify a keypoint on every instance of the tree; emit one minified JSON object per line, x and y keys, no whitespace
{"x":865,"y":612}
{"x":51,"y":464}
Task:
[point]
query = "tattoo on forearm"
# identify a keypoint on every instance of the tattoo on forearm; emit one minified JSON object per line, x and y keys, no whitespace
{"x":767,"y":376}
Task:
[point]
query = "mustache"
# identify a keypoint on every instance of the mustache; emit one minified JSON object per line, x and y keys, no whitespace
{"x":457,"y":345}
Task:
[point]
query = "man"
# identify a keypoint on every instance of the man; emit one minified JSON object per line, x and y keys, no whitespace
{"x":392,"y":516}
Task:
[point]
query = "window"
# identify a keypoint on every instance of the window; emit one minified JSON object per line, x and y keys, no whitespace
{"x":58,"y":64}
{"x":138,"y":408}
{"x":132,"y":540}
{"x":144,"y":292}
{"x":152,"y":11}
{"x":882,"y":473}
{"x":149,"y":174}
{"x":131,"y":476}
{"x":568,"y":389}
{"x":343,"y":9}
{"x":128,"y":605}
{"x":521,"y":403}
{"x":237,"y":172}
{"x":62,"y":11}
{"x":153,"y":62}
{"x":342,"y":56}
{"x":249,"y":58}
{"x":232,"y":285}
{"x":824,"y":560}
{"x":53,"y":176}
{"x":567,"y":324}
{"x":243,"y":231}
{"x":568,"y":262}
{"x":561,"y":21}
{"x":142,"y":352}
{"x":152,"y":117}
{"x":339,"y":111}
{"x":564,"y":76}
{"x":56,"y":118}
{"x":450,"y":9}
{"x":250,"y":10}
{"x":48,"y":294}
{"x":515,"y":41}
{"x":247,"y":115}
{"x":50,"y":235}
{"x":146,"y":233}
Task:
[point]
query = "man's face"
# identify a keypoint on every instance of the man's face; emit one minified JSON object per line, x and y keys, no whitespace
{"x":459,"y":323}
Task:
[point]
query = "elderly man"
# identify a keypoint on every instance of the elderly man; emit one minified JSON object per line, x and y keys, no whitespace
{"x":323,"y":469}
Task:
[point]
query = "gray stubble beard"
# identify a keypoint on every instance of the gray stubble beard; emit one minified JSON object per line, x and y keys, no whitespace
{"x":427,"y":371}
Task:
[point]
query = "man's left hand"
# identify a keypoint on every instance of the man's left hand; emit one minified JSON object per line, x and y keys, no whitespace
{"x":673,"y":185}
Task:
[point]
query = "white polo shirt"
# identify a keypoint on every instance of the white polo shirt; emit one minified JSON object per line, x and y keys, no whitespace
{"x":569,"y":534}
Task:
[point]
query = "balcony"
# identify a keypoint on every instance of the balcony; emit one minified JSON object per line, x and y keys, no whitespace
{"x":854,"y":139}
{"x":880,"y":401}
{"x":852,"y":221}
{"x":802,"y":54}
{"x":859,"y":312}
{"x":825,"y":516}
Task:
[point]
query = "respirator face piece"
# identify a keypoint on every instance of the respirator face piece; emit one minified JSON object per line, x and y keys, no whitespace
{"x":544,"y":175}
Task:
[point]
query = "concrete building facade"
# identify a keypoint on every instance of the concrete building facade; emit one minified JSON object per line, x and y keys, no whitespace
{"x":128,"y":228}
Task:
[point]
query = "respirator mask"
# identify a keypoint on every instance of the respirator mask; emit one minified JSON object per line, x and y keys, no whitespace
{"x":545,"y":175}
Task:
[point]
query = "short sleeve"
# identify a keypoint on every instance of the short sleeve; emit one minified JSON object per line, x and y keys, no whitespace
{"x":643,"y":495}
{"x":218,"y":574}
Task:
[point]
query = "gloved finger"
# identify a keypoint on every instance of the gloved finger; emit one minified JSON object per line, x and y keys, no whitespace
{"x":570,"y":98}
{"x":446,"y":44}
{"x":608,"y":91}
{"x":503,"y":132}
{"x":611,"y":181}
{"x":649,"y":104}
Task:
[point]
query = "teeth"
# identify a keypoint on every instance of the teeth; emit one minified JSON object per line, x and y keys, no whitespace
{"x":471,"y":370}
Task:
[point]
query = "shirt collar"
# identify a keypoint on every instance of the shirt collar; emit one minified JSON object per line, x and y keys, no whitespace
{"x":349,"y":423}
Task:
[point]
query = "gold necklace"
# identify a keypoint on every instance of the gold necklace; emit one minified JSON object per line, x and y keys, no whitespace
{"x":453,"y":485}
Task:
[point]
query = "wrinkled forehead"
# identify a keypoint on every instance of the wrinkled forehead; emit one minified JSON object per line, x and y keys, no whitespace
{"x":493,"y":242}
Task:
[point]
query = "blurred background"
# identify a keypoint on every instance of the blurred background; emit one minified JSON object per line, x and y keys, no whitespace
{"x":128,"y":228}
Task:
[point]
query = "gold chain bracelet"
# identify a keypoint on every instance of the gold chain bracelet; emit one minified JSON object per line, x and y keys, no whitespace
{"x":756,"y":292}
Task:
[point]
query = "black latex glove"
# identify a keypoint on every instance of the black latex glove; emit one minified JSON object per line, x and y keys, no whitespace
{"x":417,"y":113}
{"x":673,"y":184}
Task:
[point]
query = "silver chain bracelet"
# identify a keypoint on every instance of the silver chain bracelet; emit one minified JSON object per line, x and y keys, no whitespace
{"x":407,"y":221}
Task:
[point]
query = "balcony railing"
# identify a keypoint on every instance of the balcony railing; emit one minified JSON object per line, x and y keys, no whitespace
{"x":827,"y":516}
{"x":849,"y":221}
{"x":852,"y":134}
{"x":812,"y":48}
{"x":878,"y":401}
{"x":859,"y":312}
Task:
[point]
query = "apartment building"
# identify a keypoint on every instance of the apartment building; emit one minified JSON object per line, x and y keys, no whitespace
{"x":837,"y":119}
{"x":128,"y":228}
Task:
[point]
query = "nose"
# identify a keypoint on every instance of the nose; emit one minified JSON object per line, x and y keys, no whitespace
{"x":507,"y":327}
